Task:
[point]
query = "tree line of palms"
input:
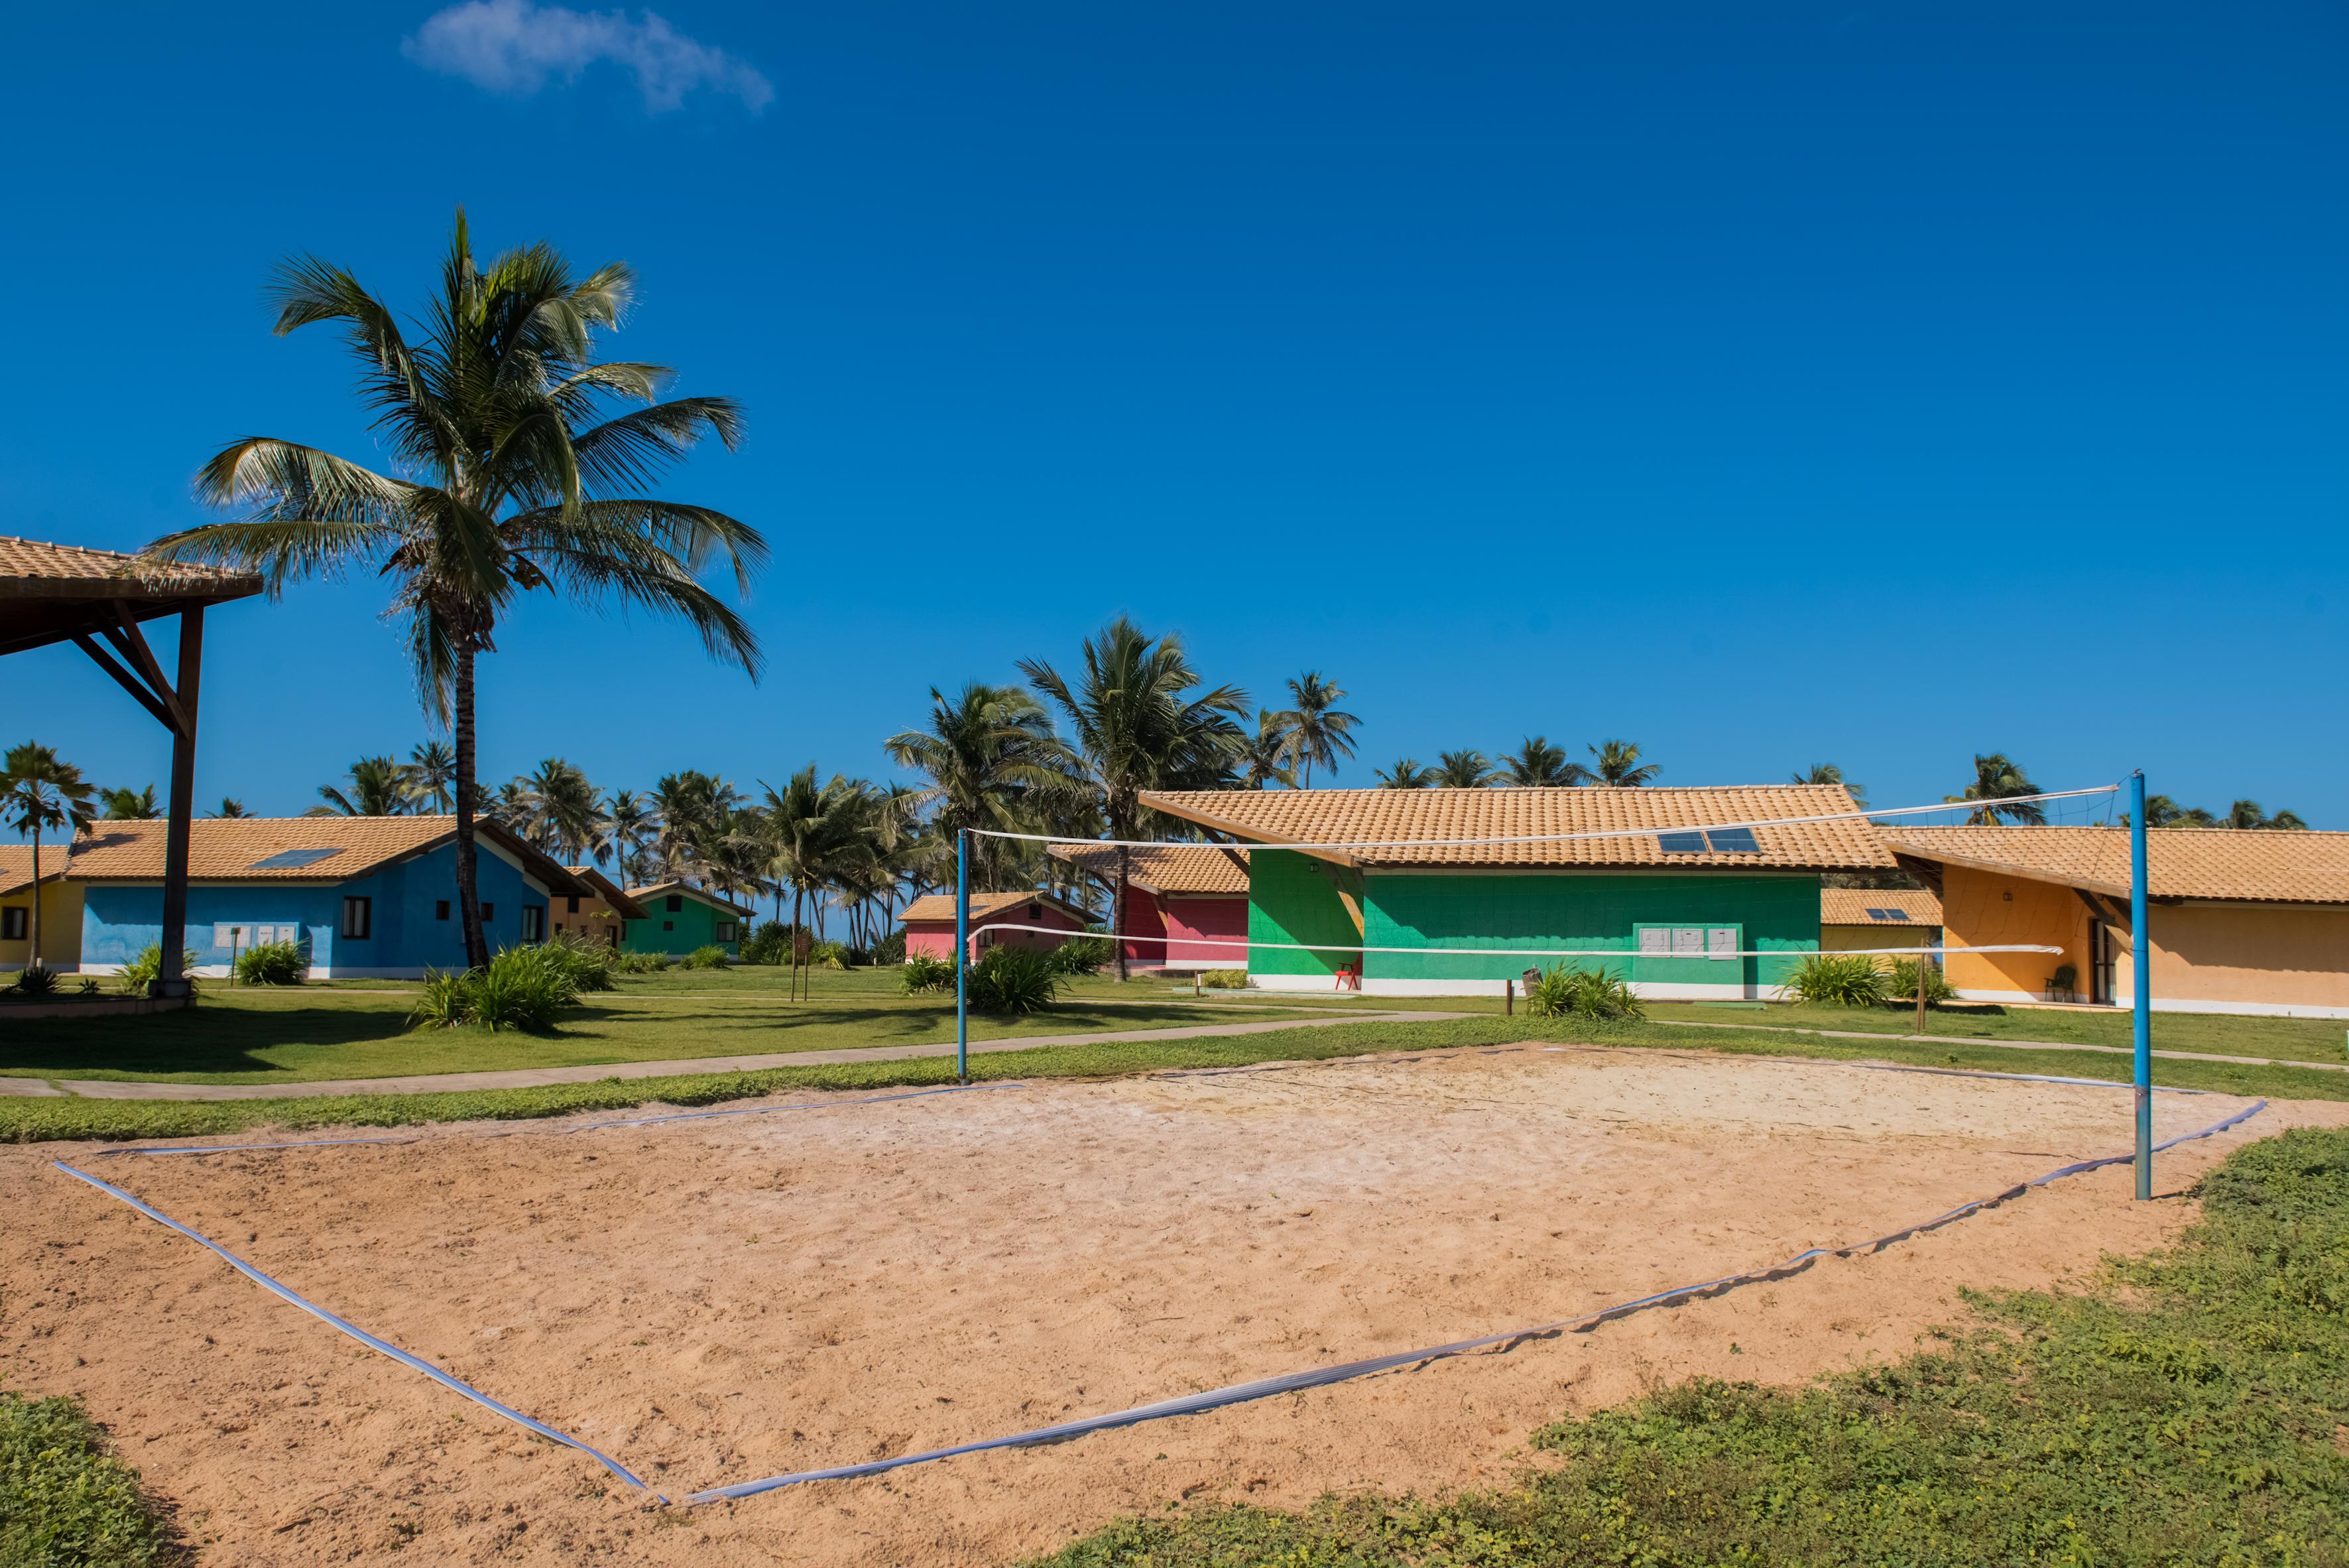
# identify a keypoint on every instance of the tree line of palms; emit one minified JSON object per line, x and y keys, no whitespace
{"x":1536,"y":764}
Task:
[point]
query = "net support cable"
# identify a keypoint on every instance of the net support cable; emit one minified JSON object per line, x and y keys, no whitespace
{"x":1321,"y":1377}
{"x":1244,"y":943}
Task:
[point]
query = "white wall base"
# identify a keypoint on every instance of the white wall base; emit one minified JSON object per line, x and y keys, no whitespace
{"x":2178,"y":1005}
{"x":316,"y":972}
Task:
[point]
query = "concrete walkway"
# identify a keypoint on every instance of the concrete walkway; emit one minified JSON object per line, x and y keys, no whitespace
{"x":2004,"y":1045}
{"x":534,"y":1077}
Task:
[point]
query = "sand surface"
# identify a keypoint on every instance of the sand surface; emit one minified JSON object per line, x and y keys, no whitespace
{"x":714,"y":1301}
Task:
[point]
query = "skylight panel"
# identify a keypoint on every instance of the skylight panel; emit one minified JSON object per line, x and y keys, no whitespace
{"x":289,"y":859}
{"x":1734,"y":842}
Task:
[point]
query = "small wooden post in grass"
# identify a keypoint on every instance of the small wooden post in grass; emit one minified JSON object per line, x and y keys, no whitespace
{"x":1508,"y":998}
{"x":1921,"y":960}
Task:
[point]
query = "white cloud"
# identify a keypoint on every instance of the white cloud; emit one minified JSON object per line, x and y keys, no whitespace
{"x":515,"y":47}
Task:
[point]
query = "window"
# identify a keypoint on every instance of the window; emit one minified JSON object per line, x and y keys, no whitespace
{"x":533,"y":922}
{"x":14,"y":921}
{"x":439,"y":909}
{"x":1711,"y":942}
{"x":287,"y":859}
{"x":725,"y":931}
{"x":676,"y":902}
{"x":1720,"y":842}
{"x":358,"y":918}
{"x":572,"y":906}
{"x":489,"y":913}
{"x":668,"y":926}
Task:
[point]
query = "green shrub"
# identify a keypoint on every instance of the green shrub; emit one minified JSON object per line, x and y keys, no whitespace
{"x":710,"y":958}
{"x":272,"y":963}
{"x":445,"y":1002}
{"x":87,"y":988}
{"x":640,"y":962}
{"x":890,"y":949}
{"x":925,"y":972}
{"x":522,"y":988}
{"x":771,"y":944}
{"x":65,"y":1501}
{"x":1561,"y":991}
{"x":1838,"y":979}
{"x":35,"y":980}
{"x":1081,"y":954}
{"x":1013,"y":980}
{"x":590,"y":963}
{"x":141,"y":971}
{"x":1224,"y":979}
{"x":1903,"y":982}
{"x":827,"y":955}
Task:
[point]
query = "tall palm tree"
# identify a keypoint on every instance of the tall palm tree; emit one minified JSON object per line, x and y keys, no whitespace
{"x":1538,"y":765}
{"x":1315,"y":728}
{"x":129,"y":805}
{"x":37,"y":792}
{"x":630,"y":821}
{"x":1997,"y":778}
{"x":1139,"y":721}
{"x":378,"y":788}
{"x":1264,"y":758}
{"x":992,"y":762}
{"x":1619,"y":767}
{"x":2249,"y":814}
{"x":1828,"y":773}
{"x":815,"y":835}
{"x":1465,"y":770}
{"x":509,"y":477}
{"x":1406,"y":774}
{"x":694,"y":811}
{"x":431,"y":775}
{"x":562,"y":813}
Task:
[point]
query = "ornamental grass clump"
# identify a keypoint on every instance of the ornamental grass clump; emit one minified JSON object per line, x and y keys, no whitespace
{"x":591,"y":964}
{"x":1838,"y":980}
{"x":711,"y":956}
{"x":141,"y":971}
{"x":521,"y":988}
{"x":923,"y":971}
{"x":1224,"y":979}
{"x":1014,"y":980}
{"x":1080,"y":954}
{"x":1903,"y":983}
{"x":1564,"y":993}
{"x":34,"y":980}
{"x":272,"y":963}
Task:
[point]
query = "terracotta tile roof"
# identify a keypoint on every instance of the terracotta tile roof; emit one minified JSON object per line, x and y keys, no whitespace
{"x":1325,"y":816}
{"x":2260,"y":865}
{"x":656,"y":890}
{"x":941,"y":906}
{"x":1853,"y":906}
{"x":24,"y":562}
{"x":17,"y":865}
{"x":610,"y":892}
{"x":1171,"y":868}
{"x":229,"y":848}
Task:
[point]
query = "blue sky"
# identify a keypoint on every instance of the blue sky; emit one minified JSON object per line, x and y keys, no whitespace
{"x":1873,"y":384}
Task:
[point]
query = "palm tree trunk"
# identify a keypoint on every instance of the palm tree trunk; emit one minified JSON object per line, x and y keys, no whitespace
{"x":799,"y":895}
{"x":34,"y":960}
{"x":1117,"y":910}
{"x":469,"y":893}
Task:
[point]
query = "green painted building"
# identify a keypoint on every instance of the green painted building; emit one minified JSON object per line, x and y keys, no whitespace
{"x":1663,"y":888}
{"x":680,"y":917}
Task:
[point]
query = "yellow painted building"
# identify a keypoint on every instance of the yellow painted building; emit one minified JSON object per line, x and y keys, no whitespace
{"x":604,"y":918}
{"x":60,"y":909}
{"x":1858,"y":919}
{"x":2253,"y":922}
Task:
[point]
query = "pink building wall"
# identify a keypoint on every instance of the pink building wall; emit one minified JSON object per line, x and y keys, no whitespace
{"x":1184,"y":919}
{"x":935,"y":938}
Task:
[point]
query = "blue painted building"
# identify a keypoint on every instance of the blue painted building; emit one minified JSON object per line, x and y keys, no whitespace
{"x":366,"y":896}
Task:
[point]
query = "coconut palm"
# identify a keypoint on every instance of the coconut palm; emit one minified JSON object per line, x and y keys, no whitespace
{"x":694,"y":811}
{"x":37,"y":792}
{"x":1465,"y":770}
{"x":562,"y":813}
{"x":429,"y":775}
{"x":1264,"y":758}
{"x":1406,"y":774}
{"x":1997,"y":778}
{"x":630,"y":821}
{"x":1828,"y":773}
{"x":507,"y":477}
{"x":1619,"y":767}
{"x":129,"y":805}
{"x":230,"y":806}
{"x":378,"y":788}
{"x":1316,"y":730}
{"x":992,"y":762}
{"x":1538,"y":765}
{"x":1139,"y":721}
{"x":2249,"y":814}
{"x":814,"y":834}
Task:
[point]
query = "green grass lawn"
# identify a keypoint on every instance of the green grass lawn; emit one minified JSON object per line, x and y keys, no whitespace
{"x":2272,"y":1039}
{"x":2183,"y":1409}
{"x":250,"y":1034}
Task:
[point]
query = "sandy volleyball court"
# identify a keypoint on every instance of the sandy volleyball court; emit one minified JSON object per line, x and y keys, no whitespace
{"x":713,"y":1301}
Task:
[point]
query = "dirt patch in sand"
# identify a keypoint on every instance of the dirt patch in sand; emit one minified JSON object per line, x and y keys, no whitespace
{"x":719,"y":1300}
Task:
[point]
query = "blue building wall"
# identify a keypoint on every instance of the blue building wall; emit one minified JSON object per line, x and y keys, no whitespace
{"x":121,"y":921}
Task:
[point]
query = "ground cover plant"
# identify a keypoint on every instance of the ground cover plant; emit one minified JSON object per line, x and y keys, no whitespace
{"x":1224,"y":979}
{"x":65,"y":1500}
{"x":1013,"y":980}
{"x":1563,"y":993}
{"x":2186,"y":1409}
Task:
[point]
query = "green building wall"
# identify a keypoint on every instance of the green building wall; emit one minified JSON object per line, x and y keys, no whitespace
{"x":695,"y":925}
{"x":1294,"y":898}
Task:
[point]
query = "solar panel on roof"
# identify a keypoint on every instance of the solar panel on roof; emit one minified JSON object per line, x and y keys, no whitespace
{"x":284,"y":860}
{"x":1889,"y":912}
{"x":1681,"y":843}
{"x":1734,"y":842}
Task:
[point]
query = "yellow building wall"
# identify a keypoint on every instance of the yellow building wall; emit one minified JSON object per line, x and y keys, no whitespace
{"x":2249,"y":958}
{"x":1857,"y":938}
{"x":594,"y":916}
{"x":60,"y":927}
{"x":1985,"y":909}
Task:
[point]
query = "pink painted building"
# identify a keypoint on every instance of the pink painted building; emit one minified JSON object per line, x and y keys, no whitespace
{"x":929,"y":921}
{"x":1187,"y":905}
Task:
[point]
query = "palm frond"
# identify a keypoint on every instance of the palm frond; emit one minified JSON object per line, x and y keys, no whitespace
{"x":635,"y":447}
